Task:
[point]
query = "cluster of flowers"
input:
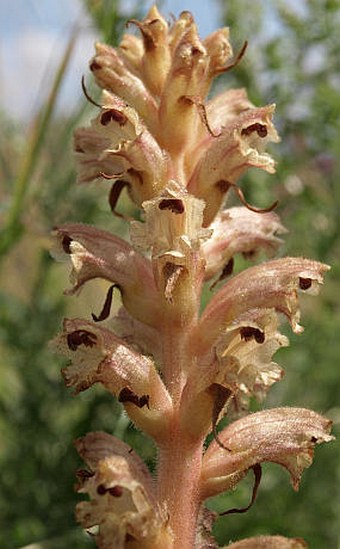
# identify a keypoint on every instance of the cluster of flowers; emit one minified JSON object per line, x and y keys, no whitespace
{"x":175,"y":370}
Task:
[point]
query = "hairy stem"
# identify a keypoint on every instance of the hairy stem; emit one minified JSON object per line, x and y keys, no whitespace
{"x":179,"y":472}
{"x":180,"y":457}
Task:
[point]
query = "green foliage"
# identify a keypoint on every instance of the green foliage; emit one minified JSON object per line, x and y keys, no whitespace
{"x":292,"y":60}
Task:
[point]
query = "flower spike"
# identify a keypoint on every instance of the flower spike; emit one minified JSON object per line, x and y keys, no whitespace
{"x":179,"y":360}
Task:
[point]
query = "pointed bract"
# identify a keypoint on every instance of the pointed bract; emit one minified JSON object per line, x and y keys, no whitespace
{"x":156,"y":59}
{"x":186,"y":81}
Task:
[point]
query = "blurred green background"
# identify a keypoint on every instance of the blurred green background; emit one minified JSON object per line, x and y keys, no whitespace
{"x":293,"y":60}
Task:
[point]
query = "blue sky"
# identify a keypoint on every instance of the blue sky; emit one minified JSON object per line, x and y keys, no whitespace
{"x":33,"y":35}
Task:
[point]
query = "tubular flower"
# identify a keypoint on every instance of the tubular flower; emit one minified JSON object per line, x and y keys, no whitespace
{"x":176,"y":366}
{"x":98,"y":356}
{"x":173,"y":231}
{"x":271,"y":284}
{"x":244,"y":356}
{"x":128,"y":150}
{"x":123,"y":505}
{"x":283,"y":435}
{"x":240,"y":145}
{"x":98,"y":254}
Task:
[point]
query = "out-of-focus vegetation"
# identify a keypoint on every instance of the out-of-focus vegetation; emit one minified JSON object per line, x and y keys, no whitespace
{"x":292,"y":60}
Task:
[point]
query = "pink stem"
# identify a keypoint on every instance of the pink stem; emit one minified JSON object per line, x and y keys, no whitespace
{"x":180,"y":457}
{"x":179,"y":471}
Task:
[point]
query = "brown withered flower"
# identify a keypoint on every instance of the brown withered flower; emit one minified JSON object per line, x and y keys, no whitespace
{"x":176,"y":370}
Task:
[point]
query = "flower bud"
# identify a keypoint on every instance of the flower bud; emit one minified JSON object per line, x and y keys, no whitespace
{"x":113,"y":75}
{"x":179,"y":119}
{"x":156,"y":60}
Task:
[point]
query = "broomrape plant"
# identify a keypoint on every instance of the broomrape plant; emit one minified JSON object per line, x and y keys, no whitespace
{"x":175,"y":370}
